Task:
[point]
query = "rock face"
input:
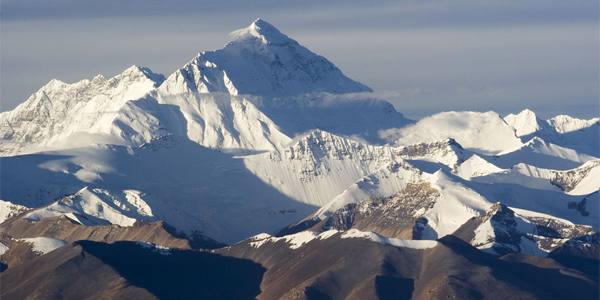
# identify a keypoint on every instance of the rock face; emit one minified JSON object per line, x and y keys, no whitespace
{"x":397,"y":216}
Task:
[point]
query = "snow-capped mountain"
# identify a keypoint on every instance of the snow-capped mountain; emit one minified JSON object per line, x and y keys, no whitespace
{"x":526,"y":122}
{"x":222,"y":99}
{"x":77,"y":114}
{"x":566,"y":131}
{"x":266,"y":137}
{"x":502,"y":230}
{"x":260,"y":60}
{"x":566,"y":124}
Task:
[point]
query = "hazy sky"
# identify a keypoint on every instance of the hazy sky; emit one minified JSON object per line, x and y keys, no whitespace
{"x":424,"y":56}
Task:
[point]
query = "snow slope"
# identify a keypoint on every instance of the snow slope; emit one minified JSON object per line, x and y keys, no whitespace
{"x":524,"y":123}
{"x":542,"y":154}
{"x":318,"y":165}
{"x":97,"y":207}
{"x":476,"y":166}
{"x":582,"y":180}
{"x":44,"y":245}
{"x":485,"y":133}
{"x":191,"y":187}
{"x":8,"y":210}
{"x":214,"y":120}
{"x":455,"y":204}
{"x":412,"y":244}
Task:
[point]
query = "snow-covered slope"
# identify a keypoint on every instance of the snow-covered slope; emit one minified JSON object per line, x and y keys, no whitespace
{"x":526,"y":123}
{"x":582,"y":180}
{"x":476,"y":166}
{"x":477,"y":169}
{"x":342,"y":114}
{"x":44,"y":245}
{"x":191,"y":187}
{"x":485,"y":133}
{"x":8,"y":210}
{"x":542,"y":154}
{"x":454,"y":204}
{"x":213,"y":120}
{"x":384,"y":182}
{"x":319,"y":165}
{"x":97,"y":207}
{"x":297,"y":240}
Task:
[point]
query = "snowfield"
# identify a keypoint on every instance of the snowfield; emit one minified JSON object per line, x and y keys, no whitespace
{"x":44,"y":245}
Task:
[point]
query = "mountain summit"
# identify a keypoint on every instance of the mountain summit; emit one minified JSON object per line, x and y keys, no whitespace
{"x":260,"y":60}
{"x":262,"y":30}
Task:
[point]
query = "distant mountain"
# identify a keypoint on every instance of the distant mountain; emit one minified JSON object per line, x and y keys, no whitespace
{"x":578,"y":134}
{"x":260,"y":60}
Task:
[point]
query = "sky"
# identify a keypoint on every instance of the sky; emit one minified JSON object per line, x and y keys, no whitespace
{"x":423,"y":56}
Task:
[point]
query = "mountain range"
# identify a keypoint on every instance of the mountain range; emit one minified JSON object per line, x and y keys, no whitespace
{"x":262,"y":166}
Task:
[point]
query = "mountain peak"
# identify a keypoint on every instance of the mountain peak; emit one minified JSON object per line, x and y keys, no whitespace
{"x":262,"y":31}
{"x":526,"y":122}
{"x":136,"y":72}
{"x":260,"y":60}
{"x":566,"y":124}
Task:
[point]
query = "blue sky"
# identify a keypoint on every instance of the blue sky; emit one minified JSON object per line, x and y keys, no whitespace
{"x":423,"y":56}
